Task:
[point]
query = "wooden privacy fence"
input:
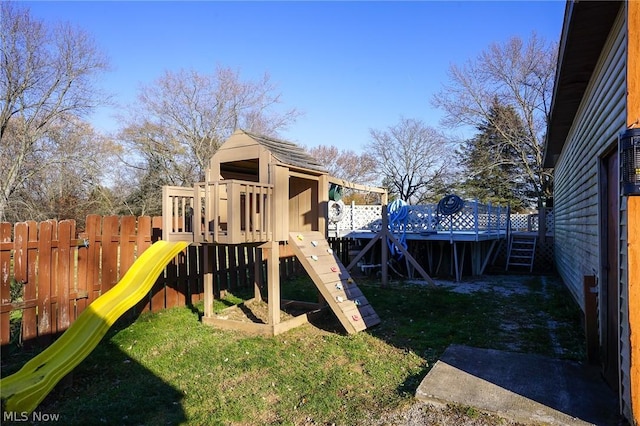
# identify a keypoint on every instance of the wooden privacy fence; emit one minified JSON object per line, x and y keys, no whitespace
{"x":50,"y":273}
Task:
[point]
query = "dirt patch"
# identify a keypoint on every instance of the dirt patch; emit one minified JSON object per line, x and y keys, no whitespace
{"x":506,"y":286}
{"x":256,"y":311}
{"x":420,"y":413}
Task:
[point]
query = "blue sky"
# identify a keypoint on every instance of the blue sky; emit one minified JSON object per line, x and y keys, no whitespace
{"x":348,"y":66}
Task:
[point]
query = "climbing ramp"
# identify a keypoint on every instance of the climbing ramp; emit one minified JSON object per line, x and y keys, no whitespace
{"x":334,"y":281}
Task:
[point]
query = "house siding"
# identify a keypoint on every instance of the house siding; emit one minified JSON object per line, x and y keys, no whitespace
{"x":600,"y":119}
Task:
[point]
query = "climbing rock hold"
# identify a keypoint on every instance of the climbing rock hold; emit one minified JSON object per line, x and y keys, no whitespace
{"x":356,"y":317}
{"x":339,"y":286}
{"x":357,"y":302}
{"x":300,"y":237}
{"x":314,"y":243}
{"x":339,"y":299}
{"x":350,"y":280}
{"x":329,"y":250}
{"x":314,"y":257}
{"x":334,"y":269}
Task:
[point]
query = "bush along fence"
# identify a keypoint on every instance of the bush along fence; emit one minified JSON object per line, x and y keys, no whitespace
{"x":51,"y":273}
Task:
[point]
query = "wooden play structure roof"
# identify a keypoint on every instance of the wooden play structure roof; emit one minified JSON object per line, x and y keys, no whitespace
{"x":285,"y":152}
{"x":249,"y":156}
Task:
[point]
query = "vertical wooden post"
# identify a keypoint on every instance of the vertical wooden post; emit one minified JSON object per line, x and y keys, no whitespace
{"x":633,"y":206}
{"x":207,"y":277}
{"x":542,"y":222}
{"x":234,"y":212}
{"x":273,"y":280}
{"x":167,"y":215}
{"x":323,"y":203}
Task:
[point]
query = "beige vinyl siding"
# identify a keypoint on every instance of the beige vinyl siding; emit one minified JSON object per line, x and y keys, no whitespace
{"x":600,"y":118}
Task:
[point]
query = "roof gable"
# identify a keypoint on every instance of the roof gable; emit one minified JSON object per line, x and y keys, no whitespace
{"x":287,"y":153}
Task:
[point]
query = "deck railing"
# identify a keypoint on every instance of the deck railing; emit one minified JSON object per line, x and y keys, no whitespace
{"x":224,"y":212}
{"x":424,"y":219}
{"x":475,"y":217}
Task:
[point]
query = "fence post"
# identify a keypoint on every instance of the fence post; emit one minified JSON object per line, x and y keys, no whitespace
{"x":542,"y":223}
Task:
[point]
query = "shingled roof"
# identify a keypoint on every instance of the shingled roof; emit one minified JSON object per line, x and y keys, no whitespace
{"x":288,"y":152}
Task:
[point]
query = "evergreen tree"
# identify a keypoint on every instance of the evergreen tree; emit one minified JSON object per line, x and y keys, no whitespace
{"x":491,"y":170}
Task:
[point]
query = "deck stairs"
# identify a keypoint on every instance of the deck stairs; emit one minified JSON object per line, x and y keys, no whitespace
{"x":333,"y":281}
{"x":521,"y":251}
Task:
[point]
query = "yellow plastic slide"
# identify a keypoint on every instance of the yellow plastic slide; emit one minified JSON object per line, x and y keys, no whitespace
{"x":24,"y":390}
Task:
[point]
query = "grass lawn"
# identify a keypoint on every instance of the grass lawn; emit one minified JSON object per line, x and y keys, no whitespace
{"x":168,"y":368}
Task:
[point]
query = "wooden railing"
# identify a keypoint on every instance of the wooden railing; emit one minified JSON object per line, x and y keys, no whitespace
{"x":223,"y":212}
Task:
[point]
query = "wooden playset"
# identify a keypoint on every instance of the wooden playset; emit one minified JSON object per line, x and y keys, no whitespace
{"x":260,"y":190}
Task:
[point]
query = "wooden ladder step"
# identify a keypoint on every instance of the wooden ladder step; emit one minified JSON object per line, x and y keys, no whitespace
{"x":521,"y":251}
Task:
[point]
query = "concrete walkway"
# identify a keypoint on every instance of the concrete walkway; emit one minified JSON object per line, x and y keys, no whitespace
{"x":526,"y":388}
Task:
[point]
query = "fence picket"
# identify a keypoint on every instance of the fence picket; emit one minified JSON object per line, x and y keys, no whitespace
{"x":44,"y":314}
{"x":81,"y":255}
{"x":5,"y":281}
{"x":143,"y":234}
{"x":110,"y":240}
{"x":30,"y":288}
{"x":66,"y":231}
{"x":127,"y":243}
{"x":93,"y":259}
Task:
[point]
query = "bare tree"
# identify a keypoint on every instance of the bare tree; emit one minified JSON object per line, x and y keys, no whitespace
{"x":69,"y":182}
{"x":46,"y":77}
{"x":516,"y":74}
{"x":350,"y":166}
{"x":411,"y":158}
{"x":181,"y":119}
{"x":346,"y":164}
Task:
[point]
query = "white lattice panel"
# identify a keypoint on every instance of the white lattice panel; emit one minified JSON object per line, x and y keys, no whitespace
{"x":474,"y":217}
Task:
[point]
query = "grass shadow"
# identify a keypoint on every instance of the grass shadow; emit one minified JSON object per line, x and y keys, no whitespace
{"x":102,"y":389}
